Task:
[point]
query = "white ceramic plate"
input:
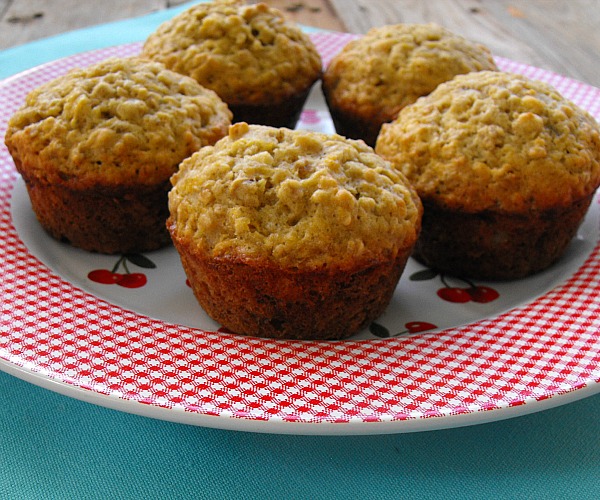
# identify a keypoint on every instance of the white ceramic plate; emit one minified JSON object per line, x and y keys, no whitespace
{"x":427,"y":363}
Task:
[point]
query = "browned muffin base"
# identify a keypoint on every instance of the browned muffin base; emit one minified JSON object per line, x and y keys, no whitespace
{"x":284,"y":114}
{"x":496,"y":246}
{"x":112,"y":221}
{"x":353,"y":126}
{"x":286,"y":304}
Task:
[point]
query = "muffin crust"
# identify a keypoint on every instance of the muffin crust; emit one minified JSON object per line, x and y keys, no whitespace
{"x":294,"y":198}
{"x":495,"y":141}
{"x":120,"y":121}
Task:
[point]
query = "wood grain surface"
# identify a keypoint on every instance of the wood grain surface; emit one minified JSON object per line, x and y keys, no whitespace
{"x":557,"y":35}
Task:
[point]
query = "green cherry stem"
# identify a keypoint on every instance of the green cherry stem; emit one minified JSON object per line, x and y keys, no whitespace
{"x":444,"y":282}
{"x":122,"y":260}
{"x":470,"y":283}
{"x":118,"y":264}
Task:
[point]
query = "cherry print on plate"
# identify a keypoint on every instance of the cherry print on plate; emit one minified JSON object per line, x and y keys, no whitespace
{"x":458,"y":294}
{"x":127,"y":279}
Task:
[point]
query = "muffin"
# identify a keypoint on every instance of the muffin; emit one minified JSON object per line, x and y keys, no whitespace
{"x":97,"y":147}
{"x":374,"y":77}
{"x":292,"y":234}
{"x":506,"y":168}
{"x":261,"y":65}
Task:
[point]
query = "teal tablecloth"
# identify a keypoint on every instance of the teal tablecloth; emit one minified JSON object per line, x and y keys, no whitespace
{"x":52,"y":446}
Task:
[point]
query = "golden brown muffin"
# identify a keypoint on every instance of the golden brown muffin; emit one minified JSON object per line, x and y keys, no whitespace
{"x":291,"y":234}
{"x":261,"y":65}
{"x":97,"y":147}
{"x":506,"y":169}
{"x":374,"y":77}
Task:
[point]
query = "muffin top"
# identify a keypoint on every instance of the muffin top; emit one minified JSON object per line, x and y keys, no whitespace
{"x":495,"y":141}
{"x":391,"y":66}
{"x":293,"y":199}
{"x":248,"y":54}
{"x":122,"y":121}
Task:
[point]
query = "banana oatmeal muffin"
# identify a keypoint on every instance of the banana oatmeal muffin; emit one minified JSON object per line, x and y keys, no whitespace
{"x":374,"y":77}
{"x":506,"y":168}
{"x":292,"y":234}
{"x":261,"y":65}
{"x":97,"y":147}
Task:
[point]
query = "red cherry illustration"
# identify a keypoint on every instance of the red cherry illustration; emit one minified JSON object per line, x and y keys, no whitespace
{"x":104,"y":276}
{"x":419,"y":326}
{"x":132,"y":280}
{"x":127,"y":279}
{"x":476,"y":293}
{"x":454,"y":294}
{"x":482,"y":294}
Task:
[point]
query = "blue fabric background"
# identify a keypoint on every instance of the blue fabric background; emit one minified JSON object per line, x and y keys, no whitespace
{"x":52,"y":446}
{"x":55,"y":447}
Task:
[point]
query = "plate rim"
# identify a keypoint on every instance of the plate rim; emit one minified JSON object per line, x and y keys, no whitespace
{"x":321,"y":428}
{"x":526,"y":405}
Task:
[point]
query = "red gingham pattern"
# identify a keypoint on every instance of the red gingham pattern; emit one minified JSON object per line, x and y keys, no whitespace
{"x":48,"y":327}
